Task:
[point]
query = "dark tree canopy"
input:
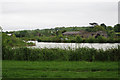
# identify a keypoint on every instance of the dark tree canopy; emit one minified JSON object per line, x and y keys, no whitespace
{"x":103,"y":25}
{"x":117,"y":28}
{"x":94,"y":24}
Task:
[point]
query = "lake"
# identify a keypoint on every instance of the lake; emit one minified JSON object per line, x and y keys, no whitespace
{"x":74,"y":45}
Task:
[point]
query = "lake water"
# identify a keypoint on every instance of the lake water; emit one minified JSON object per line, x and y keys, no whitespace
{"x":74,"y":45}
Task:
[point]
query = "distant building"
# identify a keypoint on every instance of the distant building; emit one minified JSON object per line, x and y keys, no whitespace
{"x":85,"y":34}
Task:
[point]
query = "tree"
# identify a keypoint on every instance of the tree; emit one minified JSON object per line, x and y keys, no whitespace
{"x":90,"y":40}
{"x":98,"y":28}
{"x":78,"y":39}
{"x":103,"y":25}
{"x":94,"y":24}
{"x":109,"y":28}
{"x":101,"y":39}
{"x":23,"y":33}
{"x":111,"y":33}
{"x":117,"y":28}
{"x":63,"y":31}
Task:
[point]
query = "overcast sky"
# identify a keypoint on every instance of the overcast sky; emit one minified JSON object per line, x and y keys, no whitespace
{"x":40,"y":14}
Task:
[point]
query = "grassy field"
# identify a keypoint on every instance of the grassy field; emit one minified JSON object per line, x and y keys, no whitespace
{"x":59,"y":69}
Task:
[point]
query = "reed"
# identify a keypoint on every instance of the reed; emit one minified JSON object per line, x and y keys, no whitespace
{"x":57,"y":54}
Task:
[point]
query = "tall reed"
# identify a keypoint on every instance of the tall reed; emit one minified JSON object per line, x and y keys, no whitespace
{"x":80,"y":54}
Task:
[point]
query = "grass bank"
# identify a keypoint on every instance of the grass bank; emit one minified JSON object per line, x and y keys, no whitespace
{"x":59,"y":69}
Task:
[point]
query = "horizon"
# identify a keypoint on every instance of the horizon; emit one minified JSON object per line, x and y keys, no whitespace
{"x":51,"y":28}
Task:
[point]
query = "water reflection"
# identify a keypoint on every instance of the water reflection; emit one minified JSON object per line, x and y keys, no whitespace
{"x":75,"y":45}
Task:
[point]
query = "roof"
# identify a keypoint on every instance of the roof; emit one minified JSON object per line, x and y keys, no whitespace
{"x":75,"y":32}
{"x":82,"y":32}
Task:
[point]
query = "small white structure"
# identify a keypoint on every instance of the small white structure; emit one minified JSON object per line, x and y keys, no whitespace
{"x":9,"y":34}
{"x":66,"y":38}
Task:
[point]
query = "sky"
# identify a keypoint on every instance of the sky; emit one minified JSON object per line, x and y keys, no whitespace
{"x":42,"y":14}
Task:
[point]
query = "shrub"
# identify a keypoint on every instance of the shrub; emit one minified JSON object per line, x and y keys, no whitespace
{"x":90,"y":40}
{"x":78,"y":39}
{"x":101,"y":39}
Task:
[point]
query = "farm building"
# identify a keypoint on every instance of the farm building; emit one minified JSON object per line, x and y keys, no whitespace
{"x":85,"y":34}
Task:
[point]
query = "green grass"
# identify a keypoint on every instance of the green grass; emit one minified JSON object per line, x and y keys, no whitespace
{"x":59,"y":69}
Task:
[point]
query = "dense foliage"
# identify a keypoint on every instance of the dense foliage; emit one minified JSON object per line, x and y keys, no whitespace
{"x":10,"y":41}
{"x":55,"y":34}
{"x":117,"y":28}
{"x":80,"y":54}
{"x":13,"y":41}
{"x":78,"y":39}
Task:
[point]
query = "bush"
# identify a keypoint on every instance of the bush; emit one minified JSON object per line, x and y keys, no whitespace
{"x":101,"y":39}
{"x":78,"y":39}
{"x":90,"y":40}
